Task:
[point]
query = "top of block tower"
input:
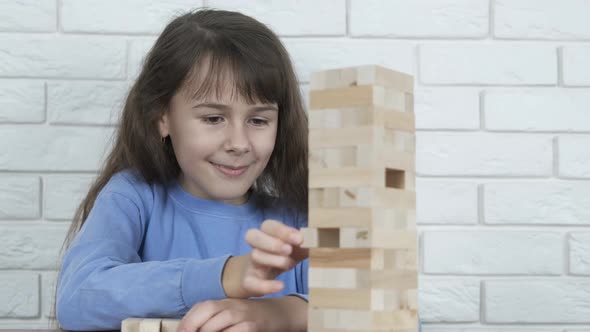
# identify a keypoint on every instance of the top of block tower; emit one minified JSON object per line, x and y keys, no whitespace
{"x":362,"y":75}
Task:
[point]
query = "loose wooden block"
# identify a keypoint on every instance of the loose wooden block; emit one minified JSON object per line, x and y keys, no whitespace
{"x":361,"y":75}
{"x":348,"y":319}
{"x":149,"y":325}
{"x":359,"y":96}
{"x":400,"y":278}
{"x":364,"y":299}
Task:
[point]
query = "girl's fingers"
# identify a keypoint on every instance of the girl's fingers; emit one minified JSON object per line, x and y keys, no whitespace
{"x":281,"y":231}
{"x":260,"y":240}
{"x":222,"y":321}
{"x":241,"y":327}
{"x":260,"y":257}
{"x":198,"y":315}
{"x":260,"y":287}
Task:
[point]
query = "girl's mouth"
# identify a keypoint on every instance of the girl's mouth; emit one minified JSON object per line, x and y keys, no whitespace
{"x":230,"y":171}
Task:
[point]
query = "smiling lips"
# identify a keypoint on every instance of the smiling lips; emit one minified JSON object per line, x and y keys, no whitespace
{"x":230,"y":170}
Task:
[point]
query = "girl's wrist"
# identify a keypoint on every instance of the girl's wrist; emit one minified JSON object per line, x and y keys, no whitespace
{"x":231,"y":278}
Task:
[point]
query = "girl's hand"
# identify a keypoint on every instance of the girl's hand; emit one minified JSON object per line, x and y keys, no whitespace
{"x":228,"y":315}
{"x":281,"y":314}
{"x":275,"y":249}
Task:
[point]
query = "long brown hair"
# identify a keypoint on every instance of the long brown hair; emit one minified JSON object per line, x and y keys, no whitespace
{"x":262,"y":71}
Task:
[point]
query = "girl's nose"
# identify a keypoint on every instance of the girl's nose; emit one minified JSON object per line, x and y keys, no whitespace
{"x":237,"y":140}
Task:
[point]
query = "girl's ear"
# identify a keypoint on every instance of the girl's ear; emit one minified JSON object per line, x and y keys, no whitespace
{"x":163,"y":125}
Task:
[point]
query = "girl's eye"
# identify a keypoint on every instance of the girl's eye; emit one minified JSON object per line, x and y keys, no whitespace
{"x":212,"y":119}
{"x":259,"y":122}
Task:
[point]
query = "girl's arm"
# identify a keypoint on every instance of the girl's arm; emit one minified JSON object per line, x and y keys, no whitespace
{"x":104,"y":281}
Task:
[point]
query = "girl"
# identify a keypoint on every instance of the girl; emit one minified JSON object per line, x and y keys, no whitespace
{"x":196,"y":211}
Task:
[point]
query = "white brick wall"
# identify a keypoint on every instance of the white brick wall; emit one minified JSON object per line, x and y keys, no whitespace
{"x":503,"y":118}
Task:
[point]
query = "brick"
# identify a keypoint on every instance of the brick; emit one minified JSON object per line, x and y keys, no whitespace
{"x":488,"y":64}
{"x":130,"y":16}
{"x":537,"y":301}
{"x":138,"y":49}
{"x":579,"y":253}
{"x":47,"y":148}
{"x":46,"y":56}
{"x":544,"y":19}
{"x":28,"y":16}
{"x":337,"y":53}
{"x":574,"y":156}
{"x":542,"y":203}
{"x":20,"y":197}
{"x":397,"y":18}
{"x":446,"y":108}
{"x":443,"y":300}
{"x":22,"y":101}
{"x":19,"y":292}
{"x":63,"y":194}
{"x":85,"y":102}
{"x":446,"y":202}
{"x":493,"y":252}
{"x":31,"y":246}
{"x":483,"y":154}
{"x":538,"y":110}
{"x":324,"y":18}
{"x":48,"y":283}
{"x":575,"y":62}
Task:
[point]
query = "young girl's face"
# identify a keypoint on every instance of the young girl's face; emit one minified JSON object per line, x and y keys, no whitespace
{"x":222,"y":145}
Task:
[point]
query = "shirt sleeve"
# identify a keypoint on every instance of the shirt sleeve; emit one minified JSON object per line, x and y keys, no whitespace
{"x":104,"y":281}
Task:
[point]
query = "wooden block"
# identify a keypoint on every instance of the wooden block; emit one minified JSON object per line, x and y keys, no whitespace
{"x":364,"y":299}
{"x":131,"y":325}
{"x":348,"y":117}
{"x":386,"y":218}
{"x":361,"y":75}
{"x":170,"y":325}
{"x":149,"y":325}
{"x":344,"y":319}
{"x":363,"y":156}
{"x":338,"y":197}
{"x":359,"y":96}
{"x":354,"y":278}
{"x":352,"y":237}
{"x":363,"y":258}
{"x":378,"y":177}
{"x":379,"y":139}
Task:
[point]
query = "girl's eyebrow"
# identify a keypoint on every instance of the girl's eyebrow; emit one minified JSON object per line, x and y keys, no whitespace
{"x":224,"y":107}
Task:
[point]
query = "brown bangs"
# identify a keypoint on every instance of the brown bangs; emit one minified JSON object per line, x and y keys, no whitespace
{"x":251,"y":79}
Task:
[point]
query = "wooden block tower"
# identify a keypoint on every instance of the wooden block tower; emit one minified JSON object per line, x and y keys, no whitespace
{"x":362,"y":202}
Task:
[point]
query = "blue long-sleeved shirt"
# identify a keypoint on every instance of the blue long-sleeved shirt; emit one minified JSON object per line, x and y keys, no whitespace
{"x":155,"y":251}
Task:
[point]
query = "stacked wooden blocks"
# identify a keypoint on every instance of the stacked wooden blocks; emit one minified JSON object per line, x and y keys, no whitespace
{"x":362,"y":202}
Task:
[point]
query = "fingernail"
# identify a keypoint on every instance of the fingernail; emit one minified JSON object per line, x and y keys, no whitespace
{"x":296,"y":238}
{"x":286,"y":249}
